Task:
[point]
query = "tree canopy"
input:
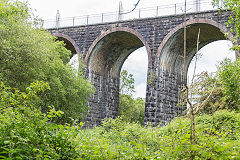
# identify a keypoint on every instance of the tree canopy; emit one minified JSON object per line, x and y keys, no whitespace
{"x":29,"y":53}
{"x":234,"y":20}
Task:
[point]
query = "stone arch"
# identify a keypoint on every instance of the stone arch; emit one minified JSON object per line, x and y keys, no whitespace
{"x":104,"y":61}
{"x":70,"y":43}
{"x":132,"y":41}
{"x":170,"y":51}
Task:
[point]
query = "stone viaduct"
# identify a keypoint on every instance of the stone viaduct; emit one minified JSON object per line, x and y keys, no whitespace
{"x":105,"y":47}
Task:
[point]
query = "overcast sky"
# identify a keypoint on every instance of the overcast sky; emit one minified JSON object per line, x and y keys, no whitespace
{"x":137,"y":62}
{"x":47,"y":9}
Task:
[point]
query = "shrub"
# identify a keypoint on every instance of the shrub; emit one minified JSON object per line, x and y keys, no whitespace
{"x":26,"y":132}
{"x":217,"y":138}
{"x":229,"y":75}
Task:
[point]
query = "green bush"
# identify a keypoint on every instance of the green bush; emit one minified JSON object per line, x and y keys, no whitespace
{"x":223,"y":88}
{"x":206,"y":84}
{"x":218,"y":137}
{"x":26,"y":132}
{"x":130,"y":109}
{"x":229,"y":77}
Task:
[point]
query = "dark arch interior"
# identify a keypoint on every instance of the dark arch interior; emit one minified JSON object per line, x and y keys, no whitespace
{"x":68,"y":45}
{"x":110,"y":52}
{"x":172,"y":54}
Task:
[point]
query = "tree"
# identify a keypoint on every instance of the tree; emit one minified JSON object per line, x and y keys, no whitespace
{"x":206,"y":84}
{"x":29,"y":53}
{"x":224,"y":87}
{"x":234,"y":19}
{"x":228,"y":73}
{"x":26,"y":132}
{"x":126,"y":83}
{"x":229,"y":77}
{"x":130,"y":109}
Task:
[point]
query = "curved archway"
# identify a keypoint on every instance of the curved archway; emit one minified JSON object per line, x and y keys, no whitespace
{"x":70,"y":43}
{"x":104,"y":61}
{"x":114,"y":46}
{"x":170,"y":51}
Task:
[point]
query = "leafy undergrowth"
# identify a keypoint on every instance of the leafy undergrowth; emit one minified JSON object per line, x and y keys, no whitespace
{"x":27,"y":133}
{"x":218,"y":137}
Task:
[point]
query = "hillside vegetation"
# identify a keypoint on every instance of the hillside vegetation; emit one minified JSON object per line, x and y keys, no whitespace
{"x":27,"y":133}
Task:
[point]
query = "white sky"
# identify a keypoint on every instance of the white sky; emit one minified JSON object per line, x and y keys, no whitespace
{"x":135,"y":64}
{"x":47,"y":9}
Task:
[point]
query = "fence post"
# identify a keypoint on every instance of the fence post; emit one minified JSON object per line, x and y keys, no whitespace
{"x":175,"y":6}
{"x":57,"y":19}
{"x":42,"y":23}
{"x":73,"y":21}
{"x":102,"y":17}
{"x":87,"y":19}
{"x":139,"y":14}
{"x":157,"y":12}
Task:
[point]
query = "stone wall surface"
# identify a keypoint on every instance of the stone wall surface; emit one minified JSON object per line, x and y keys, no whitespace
{"x":163,"y":39}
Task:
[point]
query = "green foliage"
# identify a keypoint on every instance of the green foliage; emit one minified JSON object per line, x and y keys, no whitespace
{"x":126,"y":83}
{"x":130,"y":109}
{"x":221,"y":90}
{"x":229,"y":77}
{"x":63,"y":53}
{"x":234,"y":20}
{"x":206,"y":84}
{"x":217,"y":138}
{"x":26,"y":132}
{"x":29,"y":53}
{"x":228,"y":72}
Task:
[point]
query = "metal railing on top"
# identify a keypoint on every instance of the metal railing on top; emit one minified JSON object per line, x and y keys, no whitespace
{"x":164,"y":10}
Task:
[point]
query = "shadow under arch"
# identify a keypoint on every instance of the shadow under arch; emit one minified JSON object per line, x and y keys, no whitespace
{"x":170,"y":52}
{"x":104,"y":61}
{"x":114,"y":46}
{"x":70,"y":43}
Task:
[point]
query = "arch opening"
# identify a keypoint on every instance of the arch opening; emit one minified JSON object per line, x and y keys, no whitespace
{"x":172,"y":56}
{"x":109,"y":54}
{"x":209,"y":56}
{"x":71,"y":45}
{"x":68,"y":45}
{"x":104,"y":63}
{"x":137,"y":64}
{"x":74,"y":57}
{"x":132,"y":101}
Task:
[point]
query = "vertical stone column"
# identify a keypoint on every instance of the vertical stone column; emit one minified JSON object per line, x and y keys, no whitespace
{"x":95,"y":113}
{"x":104,"y":102}
{"x":163,"y":90}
